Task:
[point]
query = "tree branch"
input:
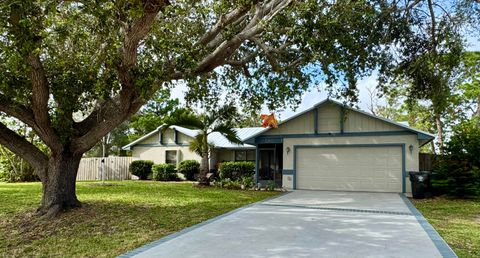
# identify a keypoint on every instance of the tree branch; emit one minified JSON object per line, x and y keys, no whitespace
{"x":110,"y":113}
{"x":24,"y":149}
{"x":226,"y":49}
{"x":40,"y":96}
{"x":18,"y":111}
{"x":222,"y":22}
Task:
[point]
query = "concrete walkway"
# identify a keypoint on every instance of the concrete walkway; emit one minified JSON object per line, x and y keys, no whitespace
{"x":309,"y":224}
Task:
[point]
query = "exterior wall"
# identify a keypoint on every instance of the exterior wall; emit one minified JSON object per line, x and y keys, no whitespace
{"x":358,"y":122}
{"x":157,"y":153}
{"x":168,"y":137}
{"x":411,"y":158}
{"x":225,"y":155}
{"x":329,"y":118}
{"x":300,"y":124}
{"x":151,"y":139}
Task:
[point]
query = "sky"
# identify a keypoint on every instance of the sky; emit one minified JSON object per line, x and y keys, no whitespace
{"x":314,"y":96}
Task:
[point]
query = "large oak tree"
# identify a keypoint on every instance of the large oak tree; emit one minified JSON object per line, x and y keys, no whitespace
{"x":74,"y":70}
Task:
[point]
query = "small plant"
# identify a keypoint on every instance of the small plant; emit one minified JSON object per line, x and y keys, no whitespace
{"x":189,"y":168}
{"x":164,"y":172}
{"x":248,"y":182}
{"x":270,"y":185}
{"x":141,"y":168}
{"x":228,"y":183}
{"x":236,"y":170}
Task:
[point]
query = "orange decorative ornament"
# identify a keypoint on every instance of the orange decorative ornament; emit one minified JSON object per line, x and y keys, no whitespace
{"x":269,"y":121}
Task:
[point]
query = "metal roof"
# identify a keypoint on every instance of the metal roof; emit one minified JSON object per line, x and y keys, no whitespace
{"x":216,"y":139}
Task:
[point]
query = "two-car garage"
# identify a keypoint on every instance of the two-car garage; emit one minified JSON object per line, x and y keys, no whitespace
{"x":349,"y":168}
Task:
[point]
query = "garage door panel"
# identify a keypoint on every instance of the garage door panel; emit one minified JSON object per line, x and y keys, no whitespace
{"x":350,"y":168}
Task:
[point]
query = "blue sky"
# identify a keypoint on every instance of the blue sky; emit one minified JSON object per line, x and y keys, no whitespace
{"x":314,"y":96}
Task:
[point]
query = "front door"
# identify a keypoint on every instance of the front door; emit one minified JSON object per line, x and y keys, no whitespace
{"x":269,"y":169}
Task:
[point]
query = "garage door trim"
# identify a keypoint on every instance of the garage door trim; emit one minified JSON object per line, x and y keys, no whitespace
{"x":401,"y":145}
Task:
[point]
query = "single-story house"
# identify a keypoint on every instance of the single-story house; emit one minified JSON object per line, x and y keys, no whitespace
{"x":329,"y":146}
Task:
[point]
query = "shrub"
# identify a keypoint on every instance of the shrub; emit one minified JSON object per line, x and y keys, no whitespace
{"x":228,"y":183}
{"x":164,"y":172}
{"x":236,"y":170}
{"x":141,"y":168}
{"x":458,"y":171}
{"x":189,"y":168}
{"x":248,"y":182}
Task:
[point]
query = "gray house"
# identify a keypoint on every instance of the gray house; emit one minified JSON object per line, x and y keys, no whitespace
{"x":327,"y":147}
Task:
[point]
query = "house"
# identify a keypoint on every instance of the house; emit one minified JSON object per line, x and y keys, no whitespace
{"x":329,"y":146}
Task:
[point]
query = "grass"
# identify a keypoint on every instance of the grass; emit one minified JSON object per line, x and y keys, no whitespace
{"x":456,"y":220}
{"x":115,"y":218}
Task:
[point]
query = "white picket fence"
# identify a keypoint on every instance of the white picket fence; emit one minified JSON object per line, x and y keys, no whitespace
{"x":113,"y":168}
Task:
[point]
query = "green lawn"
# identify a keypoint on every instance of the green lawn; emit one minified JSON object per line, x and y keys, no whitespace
{"x":457,"y":221}
{"x":115,"y":218}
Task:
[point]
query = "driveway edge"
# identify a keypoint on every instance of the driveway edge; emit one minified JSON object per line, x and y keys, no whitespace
{"x":442,"y":246}
{"x":193,"y":227}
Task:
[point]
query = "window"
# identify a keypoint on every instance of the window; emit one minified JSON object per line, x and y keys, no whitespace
{"x":248,"y":155}
{"x":171,"y":157}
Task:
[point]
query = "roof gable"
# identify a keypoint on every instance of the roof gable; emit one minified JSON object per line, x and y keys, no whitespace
{"x":329,"y":121}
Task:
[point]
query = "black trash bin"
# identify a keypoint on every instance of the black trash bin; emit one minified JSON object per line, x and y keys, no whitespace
{"x":420,"y":184}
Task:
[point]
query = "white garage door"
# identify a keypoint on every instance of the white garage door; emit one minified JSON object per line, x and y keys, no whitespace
{"x":377,"y":169}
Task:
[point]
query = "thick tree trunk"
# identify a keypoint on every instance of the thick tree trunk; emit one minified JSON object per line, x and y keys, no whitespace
{"x":59,"y":186}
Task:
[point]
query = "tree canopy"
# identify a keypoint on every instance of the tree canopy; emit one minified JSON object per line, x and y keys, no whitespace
{"x":75,"y":70}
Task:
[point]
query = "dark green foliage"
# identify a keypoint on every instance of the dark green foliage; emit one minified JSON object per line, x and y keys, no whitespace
{"x":189,"y":168}
{"x":228,"y":183}
{"x":164,"y":172}
{"x":141,"y":168}
{"x":458,"y":172}
{"x":236,"y":170}
{"x":24,"y":174}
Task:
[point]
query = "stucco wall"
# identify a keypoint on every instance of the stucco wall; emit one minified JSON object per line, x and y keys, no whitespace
{"x":157,"y":153}
{"x":329,"y":121}
{"x":411,"y":158}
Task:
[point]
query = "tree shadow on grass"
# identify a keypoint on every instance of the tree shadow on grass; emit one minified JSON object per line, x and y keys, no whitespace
{"x":85,"y":231}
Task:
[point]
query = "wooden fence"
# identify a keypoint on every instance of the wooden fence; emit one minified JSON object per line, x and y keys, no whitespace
{"x":426,"y":161}
{"x":115,"y":168}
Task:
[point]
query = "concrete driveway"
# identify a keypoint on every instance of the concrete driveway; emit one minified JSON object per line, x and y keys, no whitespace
{"x":309,"y":224}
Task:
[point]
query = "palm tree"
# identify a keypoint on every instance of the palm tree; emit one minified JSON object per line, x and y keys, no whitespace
{"x":218,"y":120}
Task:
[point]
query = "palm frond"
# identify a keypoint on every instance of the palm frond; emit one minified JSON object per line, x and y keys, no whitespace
{"x":226,"y":130}
{"x":185,"y":119}
{"x":197,"y":145}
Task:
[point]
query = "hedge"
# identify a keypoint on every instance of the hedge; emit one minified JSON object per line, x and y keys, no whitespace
{"x":189,"y":168}
{"x":236,"y":170}
{"x":141,"y":168}
{"x":164,"y":172}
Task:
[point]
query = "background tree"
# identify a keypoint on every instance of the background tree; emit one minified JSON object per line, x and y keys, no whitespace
{"x":214,"y":120}
{"x":102,"y":60}
{"x":429,"y":58}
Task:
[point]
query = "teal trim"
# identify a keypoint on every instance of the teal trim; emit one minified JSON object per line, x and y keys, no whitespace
{"x":279,"y":137}
{"x":422,"y":136}
{"x":315,"y":120}
{"x":160,"y":138}
{"x":441,"y":245}
{"x":160,"y":145}
{"x":287,"y":172}
{"x":273,"y":139}
{"x":257,"y":160}
{"x":401,"y":145}
{"x":175,"y":136}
